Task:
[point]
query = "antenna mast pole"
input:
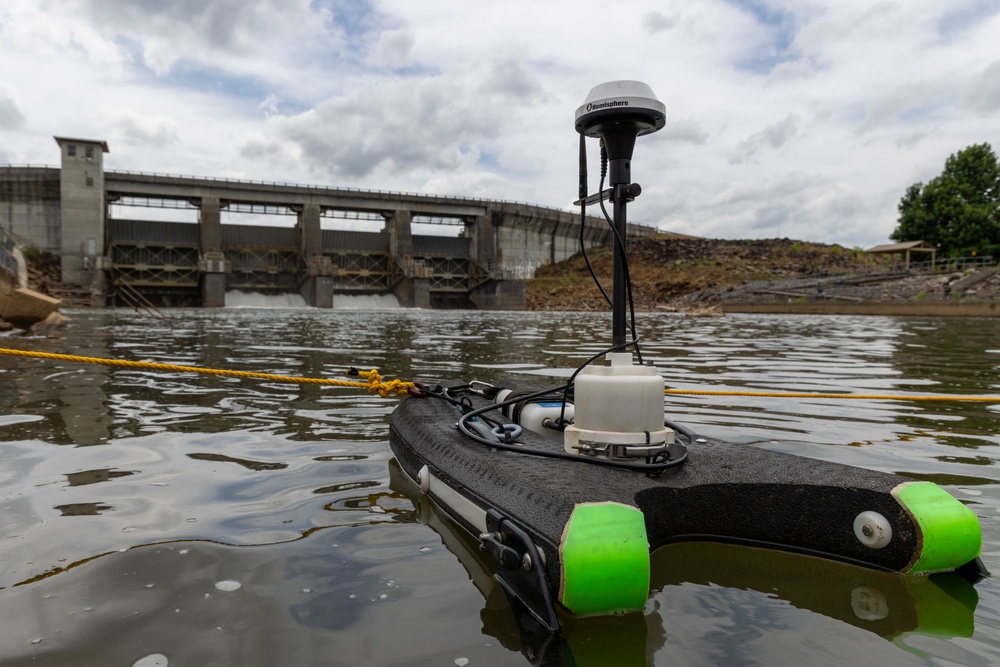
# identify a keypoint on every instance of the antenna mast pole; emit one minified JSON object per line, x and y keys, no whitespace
{"x":620,"y":181}
{"x":618,"y":112}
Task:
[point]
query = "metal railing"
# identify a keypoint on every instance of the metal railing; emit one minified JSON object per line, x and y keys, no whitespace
{"x":388,"y":194}
{"x":938,"y":265}
{"x":954,"y":264}
{"x":25,"y":165}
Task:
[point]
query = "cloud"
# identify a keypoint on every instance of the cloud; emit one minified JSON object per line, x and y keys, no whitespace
{"x":909,"y":103}
{"x":269,"y":105}
{"x":793,"y":205}
{"x":983,"y":96}
{"x":508,"y":80}
{"x":405,"y":127}
{"x":11,"y":116}
{"x":45,"y":32}
{"x":911,"y":139}
{"x":959,"y":18}
{"x":389,"y":129}
{"x":472,"y":183}
{"x":773,"y":35}
{"x":742,"y":194}
{"x":773,"y":137}
{"x":145,"y":131}
{"x":687,"y":130}
{"x":245,"y":38}
{"x":655,"y":22}
{"x":393,"y":48}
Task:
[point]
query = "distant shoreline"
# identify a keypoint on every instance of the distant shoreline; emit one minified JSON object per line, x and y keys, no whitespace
{"x":929,"y":308}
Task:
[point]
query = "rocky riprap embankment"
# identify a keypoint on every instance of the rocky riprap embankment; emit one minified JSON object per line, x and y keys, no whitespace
{"x":704,"y":274}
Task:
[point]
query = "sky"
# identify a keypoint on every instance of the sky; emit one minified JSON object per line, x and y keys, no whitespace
{"x":803,"y":120}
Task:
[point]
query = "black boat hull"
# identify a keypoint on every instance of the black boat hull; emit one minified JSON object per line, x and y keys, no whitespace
{"x":723,"y":492}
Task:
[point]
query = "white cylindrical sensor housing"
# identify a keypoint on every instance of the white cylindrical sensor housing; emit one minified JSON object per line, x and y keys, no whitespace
{"x":620,"y":397}
{"x":619,"y":408}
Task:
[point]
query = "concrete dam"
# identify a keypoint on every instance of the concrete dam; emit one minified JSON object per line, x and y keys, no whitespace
{"x":67,"y":210}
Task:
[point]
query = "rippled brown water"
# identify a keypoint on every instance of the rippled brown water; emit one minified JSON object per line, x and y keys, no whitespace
{"x":129,"y":498}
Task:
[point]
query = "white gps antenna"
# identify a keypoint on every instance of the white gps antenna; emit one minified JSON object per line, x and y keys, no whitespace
{"x":617,"y":112}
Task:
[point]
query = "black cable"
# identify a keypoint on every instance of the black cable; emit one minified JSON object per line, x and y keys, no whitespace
{"x":583,"y":214}
{"x":653,"y":465}
{"x":460,"y":404}
{"x":648,"y":467}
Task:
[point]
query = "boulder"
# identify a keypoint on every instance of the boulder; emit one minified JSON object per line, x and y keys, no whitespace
{"x":54,"y":321}
{"x":24,"y":307}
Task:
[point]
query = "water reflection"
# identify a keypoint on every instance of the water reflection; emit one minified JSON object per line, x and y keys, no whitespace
{"x":888,"y":605}
{"x":72,"y":399}
{"x":82,"y":509}
{"x":251,"y":465}
{"x":95,"y":476}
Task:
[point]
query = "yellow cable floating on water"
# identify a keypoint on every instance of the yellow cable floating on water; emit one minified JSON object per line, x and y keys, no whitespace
{"x":375,"y":384}
{"x":870,"y":397}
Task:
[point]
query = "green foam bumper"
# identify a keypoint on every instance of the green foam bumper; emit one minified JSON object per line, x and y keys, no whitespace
{"x":950,"y":534}
{"x":604,"y":560}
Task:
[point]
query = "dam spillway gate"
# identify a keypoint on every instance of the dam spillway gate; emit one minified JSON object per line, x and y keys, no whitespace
{"x":163,"y":260}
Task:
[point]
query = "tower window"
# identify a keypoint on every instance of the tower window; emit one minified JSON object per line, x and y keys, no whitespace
{"x":71,"y":150}
{"x":88,"y":152}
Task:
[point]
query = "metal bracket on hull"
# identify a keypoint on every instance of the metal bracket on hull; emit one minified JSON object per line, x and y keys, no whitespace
{"x":520,"y":569}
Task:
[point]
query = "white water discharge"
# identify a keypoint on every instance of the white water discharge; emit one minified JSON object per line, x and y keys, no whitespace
{"x":365,"y":301}
{"x":236,"y":299}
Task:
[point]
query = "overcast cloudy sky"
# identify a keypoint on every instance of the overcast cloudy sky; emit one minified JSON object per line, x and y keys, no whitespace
{"x":804,"y":119}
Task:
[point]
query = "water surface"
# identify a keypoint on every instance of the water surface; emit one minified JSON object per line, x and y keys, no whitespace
{"x":219,"y":521}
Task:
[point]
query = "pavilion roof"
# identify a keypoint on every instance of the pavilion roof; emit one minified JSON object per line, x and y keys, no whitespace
{"x":912,"y":246}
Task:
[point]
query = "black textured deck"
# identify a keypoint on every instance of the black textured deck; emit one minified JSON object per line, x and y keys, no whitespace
{"x":723,"y":492}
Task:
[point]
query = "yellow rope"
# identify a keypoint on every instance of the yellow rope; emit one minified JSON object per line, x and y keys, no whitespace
{"x":373,"y":384}
{"x":870,"y":397}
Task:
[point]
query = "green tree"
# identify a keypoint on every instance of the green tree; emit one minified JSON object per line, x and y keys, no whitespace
{"x":958,"y":211}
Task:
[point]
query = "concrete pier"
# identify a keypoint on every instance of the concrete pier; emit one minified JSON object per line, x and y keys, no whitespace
{"x":317,"y":284}
{"x":413,"y":288}
{"x":212,"y":262}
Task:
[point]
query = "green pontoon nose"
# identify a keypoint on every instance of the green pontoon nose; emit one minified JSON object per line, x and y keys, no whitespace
{"x":604,"y":554}
{"x":949,"y":532}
